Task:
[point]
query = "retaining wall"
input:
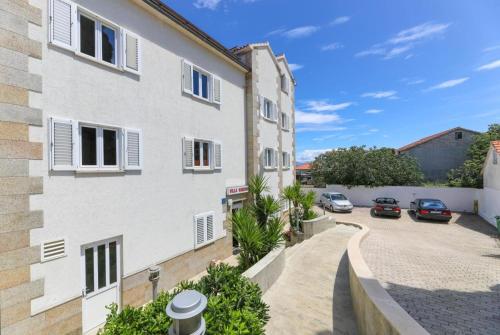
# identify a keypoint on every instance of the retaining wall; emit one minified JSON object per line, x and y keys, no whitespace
{"x":266,"y":271}
{"x":317,"y":225}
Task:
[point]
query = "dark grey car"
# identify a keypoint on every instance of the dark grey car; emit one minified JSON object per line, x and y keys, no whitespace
{"x":386,"y":206}
{"x":433,"y":209}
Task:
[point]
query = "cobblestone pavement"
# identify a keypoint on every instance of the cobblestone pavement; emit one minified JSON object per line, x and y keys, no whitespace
{"x":312,"y":295}
{"x":446,"y":276}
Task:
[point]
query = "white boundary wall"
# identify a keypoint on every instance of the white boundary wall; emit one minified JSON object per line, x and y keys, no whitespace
{"x":457,"y":199}
{"x":489,"y":204}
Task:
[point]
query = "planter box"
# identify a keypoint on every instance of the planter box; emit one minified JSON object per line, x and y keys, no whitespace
{"x":317,"y":225}
{"x":265,"y":272}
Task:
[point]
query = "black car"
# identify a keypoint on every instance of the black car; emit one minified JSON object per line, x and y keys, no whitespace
{"x":386,"y":206}
{"x":433,"y":209}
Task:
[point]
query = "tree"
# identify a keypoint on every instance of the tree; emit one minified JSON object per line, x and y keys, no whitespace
{"x":371,"y":167}
{"x":469,"y":174}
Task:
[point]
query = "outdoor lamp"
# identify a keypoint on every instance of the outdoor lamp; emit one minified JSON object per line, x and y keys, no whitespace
{"x":186,"y":310}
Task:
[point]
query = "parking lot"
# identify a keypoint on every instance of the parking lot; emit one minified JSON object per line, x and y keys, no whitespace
{"x":446,"y":276}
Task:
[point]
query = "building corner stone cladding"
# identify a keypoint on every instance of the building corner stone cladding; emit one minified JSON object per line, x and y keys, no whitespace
{"x":17,"y":288}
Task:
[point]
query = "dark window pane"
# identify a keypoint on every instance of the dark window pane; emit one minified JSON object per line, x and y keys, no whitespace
{"x":89,"y":146}
{"x":196,"y":82}
{"x":112,"y":263}
{"x":205,"y":154}
{"x":197,"y":153}
{"x":89,"y":270}
{"x":101,"y":266}
{"x":87,"y":36}
{"x":109,"y":143}
{"x":108,"y":45}
{"x":204,"y":86}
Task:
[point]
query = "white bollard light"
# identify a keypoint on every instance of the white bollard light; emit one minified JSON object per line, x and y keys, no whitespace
{"x":186,"y":310}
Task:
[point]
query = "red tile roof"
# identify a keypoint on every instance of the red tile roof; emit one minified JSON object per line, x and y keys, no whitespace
{"x":304,"y":167}
{"x":496,"y":146}
{"x":432,"y":137}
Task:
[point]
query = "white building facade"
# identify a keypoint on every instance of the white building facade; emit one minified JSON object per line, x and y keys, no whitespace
{"x":270,"y":103}
{"x":124,"y":139}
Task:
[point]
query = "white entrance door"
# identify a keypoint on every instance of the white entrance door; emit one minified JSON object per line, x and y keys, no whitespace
{"x":101,"y":281}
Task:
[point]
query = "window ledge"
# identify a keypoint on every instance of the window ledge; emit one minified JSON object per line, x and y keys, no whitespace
{"x":87,"y":171}
{"x":285,"y":129}
{"x":98,"y":61}
{"x":270,"y":168}
{"x":269,"y":120}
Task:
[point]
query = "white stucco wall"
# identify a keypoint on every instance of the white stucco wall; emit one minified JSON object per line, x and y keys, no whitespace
{"x":456,"y":198}
{"x":266,"y":84}
{"x":491,"y":173}
{"x":153,"y":209}
{"x":287,"y":137}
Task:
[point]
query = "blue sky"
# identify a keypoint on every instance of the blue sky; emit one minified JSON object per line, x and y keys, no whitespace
{"x":375,"y":73}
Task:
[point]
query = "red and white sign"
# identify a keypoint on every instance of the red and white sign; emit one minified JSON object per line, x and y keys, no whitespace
{"x":236,"y":190}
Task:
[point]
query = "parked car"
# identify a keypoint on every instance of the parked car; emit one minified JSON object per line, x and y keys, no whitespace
{"x":387,"y":207}
{"x":335,"y":202}
{"x":433,"y":209}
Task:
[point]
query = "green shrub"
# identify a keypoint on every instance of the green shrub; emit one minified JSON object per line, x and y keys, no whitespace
{"x":234,"y":307}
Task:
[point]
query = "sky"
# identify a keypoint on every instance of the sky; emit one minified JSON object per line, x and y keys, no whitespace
{"x":374,"y":72}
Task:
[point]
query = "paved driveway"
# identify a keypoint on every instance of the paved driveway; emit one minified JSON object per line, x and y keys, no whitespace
{"x":446,"y":276}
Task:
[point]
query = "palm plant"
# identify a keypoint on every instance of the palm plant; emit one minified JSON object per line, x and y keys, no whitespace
{"x":265,"y":208}
{"x":257,"y":185}
{"x":302,"y":204}
{"x":249,"y":236}
{"x":307,"y":202}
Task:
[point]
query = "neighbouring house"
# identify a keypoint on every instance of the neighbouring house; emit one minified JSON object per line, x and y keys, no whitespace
{"x":489,"y":204}
{"x":270,"y":115}
{"x":123,"y":145}
{"x":439,"y":153}
{"x":303,"y":173}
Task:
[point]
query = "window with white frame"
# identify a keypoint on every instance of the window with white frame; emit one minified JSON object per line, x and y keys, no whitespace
{"x":87,"y":34}
{"x":97,"y":39}
{"x":76,"y":145}
{"x":285,"y":160}
{"x":285,"y":84}
{"x":202,"y":154}
{"x":270,"y":158}
{"x":285,"y":121}
{"x":204,"y":229}
{"x":201,"y":83}
{"x":268,"y":109}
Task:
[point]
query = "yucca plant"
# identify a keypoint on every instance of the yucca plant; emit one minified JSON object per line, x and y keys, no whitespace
{"x":257,"y":186}
{"x":249,"y":236}
{"x":307,"y":203}
{"x":265,"y":208}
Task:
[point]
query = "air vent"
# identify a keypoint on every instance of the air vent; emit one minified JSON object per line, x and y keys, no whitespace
{"x":53,"y":249}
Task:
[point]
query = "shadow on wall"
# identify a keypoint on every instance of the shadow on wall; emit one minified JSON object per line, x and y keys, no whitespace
{"x":344,"y":321}
{"x":451,"y":311}
{"x":477,"y":224}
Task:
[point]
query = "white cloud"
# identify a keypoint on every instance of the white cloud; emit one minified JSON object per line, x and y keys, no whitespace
{"x":315,"y":118}
{"x":422,"y":31}
{"x":381,"y":95}
{"x":397,"y":51}
{"x":448,"y":84}
{"x":340,"y":20}
{"x":209,"y":4}
{"x":405,"y":41}
{"x":295,"y":67}
{"x":300,"y":32}
{"x":415,"y":82}
{"x":332,"y":46}
{"x":278,"y":31}
{"x":374,"y":111}
{"x":489,"y":66}
{"x":309,"y":155}
{"x":324,"y":106}
{"x":492,"y":48}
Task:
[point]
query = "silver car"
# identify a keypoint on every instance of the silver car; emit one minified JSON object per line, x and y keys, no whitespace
{"x":335,"y":202}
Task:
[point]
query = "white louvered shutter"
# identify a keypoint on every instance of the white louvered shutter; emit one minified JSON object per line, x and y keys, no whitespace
{"x":53,"y":249}
{"x":275,"y":112}
{"x":133,"y":149}
{"x":210,"y":227}
{"x":217,"y":89}
{"x":262,"y":105}
{"x":276,"y":159}
{"x":199,"y":230}
{"x":131,"y":52}
{"x":188,"y":153}
{"x":187,"y":77}
{"x":62,"y":23}
{"x":217,"y":155}
{"x":63,"y":146}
